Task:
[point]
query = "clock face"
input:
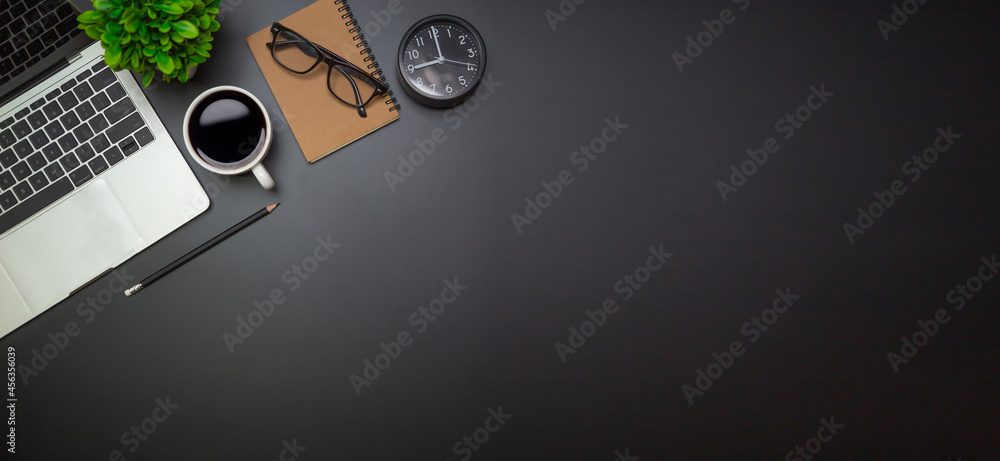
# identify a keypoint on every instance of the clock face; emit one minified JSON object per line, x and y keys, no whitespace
{"x":441,"y":61}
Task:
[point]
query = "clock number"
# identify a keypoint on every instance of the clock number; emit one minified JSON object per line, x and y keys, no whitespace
{"x":472,"y":67}
{"x":409,"y":67}
{"x":461,"y":39}
{"x":448,"y":89}
{"x":420,"y":82}
{"x":414,"y":54}
{"x":432,"y":87}
{"x":461,"y":79}
{"x":420,"y":41}
{"x":472,"y":53}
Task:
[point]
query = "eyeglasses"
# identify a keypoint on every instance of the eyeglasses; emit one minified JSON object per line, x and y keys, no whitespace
{"x":350,"y":84}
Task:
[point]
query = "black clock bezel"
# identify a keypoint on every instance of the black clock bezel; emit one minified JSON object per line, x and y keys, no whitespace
{"x":444,"y":101}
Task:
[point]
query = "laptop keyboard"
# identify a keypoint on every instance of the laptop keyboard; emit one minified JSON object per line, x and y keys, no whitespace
{"x":84,"y":126}
{"x":31,"y":30}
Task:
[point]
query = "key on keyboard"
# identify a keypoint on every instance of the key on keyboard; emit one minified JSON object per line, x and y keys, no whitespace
{"x":38,"y":139}
{"x":6,"y":180}
{"x":125,"y":127}
{"x":21,"y":129}
{"x":22,"y":191}
{"x":69,"y":161}
{"x":80,"y":175}
{"x":37,"y":161}
{"x":68,"y":142}
{"x":51,"y":152}
{"x":36,"y":119}
{"x":54,"y":130}
{"x":38,"y":181}
{"x":23,"y":149}
{"x":21,"y":170}
{"x":7,"y":139}
{"x":53,"y":171}
{"x":8,"y":158}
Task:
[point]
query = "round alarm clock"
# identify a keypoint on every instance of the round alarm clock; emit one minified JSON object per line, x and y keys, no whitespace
{"x":441,"y":60}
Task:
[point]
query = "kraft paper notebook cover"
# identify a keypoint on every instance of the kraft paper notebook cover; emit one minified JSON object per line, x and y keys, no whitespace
{"x":320,"y":122}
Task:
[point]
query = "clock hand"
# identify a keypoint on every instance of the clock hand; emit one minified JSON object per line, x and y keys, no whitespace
{"x":459,"y":62}
{"x":440,"y":57}
{"x":428,"y":63}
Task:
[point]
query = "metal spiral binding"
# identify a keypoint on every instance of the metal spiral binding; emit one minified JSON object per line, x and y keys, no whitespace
{"x":366,"y":51}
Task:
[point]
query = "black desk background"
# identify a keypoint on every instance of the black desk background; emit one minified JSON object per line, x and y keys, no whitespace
{"x":655,"y":185}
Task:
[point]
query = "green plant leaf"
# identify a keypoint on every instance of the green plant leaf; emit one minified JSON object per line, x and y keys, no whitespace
{"x":93,"y":33}
{"x":147,"y":78}
{"x":185,"y":29}
{"x":90,"y":17}
{"x":103,"y":5}
{"x":109,"y":38}
{"x":113,"y":55}
{"x":172,"y":8}
{"x":164,"y":62}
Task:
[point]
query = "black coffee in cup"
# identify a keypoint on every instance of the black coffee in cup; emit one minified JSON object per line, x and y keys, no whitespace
{"x":227,"y":129}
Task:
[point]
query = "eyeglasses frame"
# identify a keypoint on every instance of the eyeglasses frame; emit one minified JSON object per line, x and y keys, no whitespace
{"x":333,"y":61}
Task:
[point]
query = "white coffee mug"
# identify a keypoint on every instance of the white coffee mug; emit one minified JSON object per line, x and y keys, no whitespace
{"x":253,"y":164}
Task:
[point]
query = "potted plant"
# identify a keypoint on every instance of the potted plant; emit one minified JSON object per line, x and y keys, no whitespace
{"x":146,"y":36}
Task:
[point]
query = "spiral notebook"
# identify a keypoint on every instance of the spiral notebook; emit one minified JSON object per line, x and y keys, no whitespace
{"x":322,"y":124}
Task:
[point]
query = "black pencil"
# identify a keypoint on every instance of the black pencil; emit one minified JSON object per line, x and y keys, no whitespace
{"x":203,"y":248}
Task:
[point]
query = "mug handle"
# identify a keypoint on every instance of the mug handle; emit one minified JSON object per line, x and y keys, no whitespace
{"x":263,"y":177}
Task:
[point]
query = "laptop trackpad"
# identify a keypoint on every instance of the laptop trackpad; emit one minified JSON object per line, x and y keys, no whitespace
{"x":68,"y":246}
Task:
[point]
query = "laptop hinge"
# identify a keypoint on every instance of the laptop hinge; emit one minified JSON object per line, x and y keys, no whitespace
{"x":74,"y":58}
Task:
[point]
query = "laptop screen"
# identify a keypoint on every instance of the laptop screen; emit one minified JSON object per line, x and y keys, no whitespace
{"x":36,"y":38}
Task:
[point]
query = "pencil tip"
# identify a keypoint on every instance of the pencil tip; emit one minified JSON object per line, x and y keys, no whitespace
{"x":272,"y":207}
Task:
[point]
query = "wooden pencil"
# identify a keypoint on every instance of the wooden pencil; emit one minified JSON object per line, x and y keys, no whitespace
{"x":201,"y":249}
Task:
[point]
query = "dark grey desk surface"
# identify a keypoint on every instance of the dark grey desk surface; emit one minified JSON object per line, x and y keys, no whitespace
{"x":655,"y":185}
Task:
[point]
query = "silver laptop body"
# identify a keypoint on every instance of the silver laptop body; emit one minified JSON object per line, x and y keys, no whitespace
{"x":106,"y":197}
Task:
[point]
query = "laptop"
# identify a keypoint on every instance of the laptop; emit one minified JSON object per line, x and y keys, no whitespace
{"x":89,"y":176}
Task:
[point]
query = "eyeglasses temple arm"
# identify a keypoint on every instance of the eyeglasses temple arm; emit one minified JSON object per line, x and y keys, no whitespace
{"x":357,"y":93}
